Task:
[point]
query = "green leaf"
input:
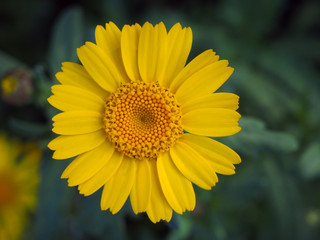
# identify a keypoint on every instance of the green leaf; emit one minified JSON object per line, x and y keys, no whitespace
{"x":43,"y":87}
{"x":263,"y":93}
{"x":54,"y":201}
{"x":284,"y":200}
{"x":96,"y":223}
{"x":310,"y":161}
{"x":27,"y":129}
{"x":68,"y":35}
{"x":8,"y":62}
{"x":254,"y":137}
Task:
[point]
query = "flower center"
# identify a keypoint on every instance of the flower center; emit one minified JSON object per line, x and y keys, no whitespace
{"x":8,"y":190}
{"x":142,"y":120}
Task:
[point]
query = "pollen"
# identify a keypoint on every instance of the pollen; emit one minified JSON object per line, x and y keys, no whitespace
{"x":142,"y":120}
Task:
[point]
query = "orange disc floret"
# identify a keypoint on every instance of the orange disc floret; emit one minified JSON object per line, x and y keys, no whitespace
{"x":142,"y":119}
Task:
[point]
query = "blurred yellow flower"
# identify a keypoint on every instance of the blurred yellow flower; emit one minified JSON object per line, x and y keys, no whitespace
{"x":18,"y":185}
{"x":137,"y":119}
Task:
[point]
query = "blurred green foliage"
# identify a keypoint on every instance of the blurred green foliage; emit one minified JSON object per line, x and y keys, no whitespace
{"x":274,"y":46}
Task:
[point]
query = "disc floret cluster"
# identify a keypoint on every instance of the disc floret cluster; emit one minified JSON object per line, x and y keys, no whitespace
{"x":142,"y":119}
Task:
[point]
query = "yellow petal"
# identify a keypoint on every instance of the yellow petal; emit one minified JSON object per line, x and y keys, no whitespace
{"x":152,"y":51}
{"x":77,"y":122}
{"x":220,"y":157}
{"x":88,"y":164}
{"x":117,"y":189}
{"x":178,"y":49}
{"x":129,"y":50}
{"x":70,"y":146}
{"x":193,"y":165}
{"x":177,"y":188}
{"x":74,"y":74}
{"x":158,"y":208}
{"x":100,"y":66}
{"x":205,"y":81}
{"x":101,"y":177}
{"x":214,"y":100}
{"x":70,"y":98}
{"x":109,"y":40}
{"x":213,"y":122}
{"x":140,"y":193}
{"x":204,"y":59}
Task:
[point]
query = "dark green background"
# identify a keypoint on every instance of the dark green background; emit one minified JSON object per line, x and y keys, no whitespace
{"x":274,"y":46}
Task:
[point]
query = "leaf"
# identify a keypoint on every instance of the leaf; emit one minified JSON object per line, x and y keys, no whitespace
{"x":245,"y":17}
{"x":54,"y":201}
{"x":254,"y":137}
{"x":27,"y":129}
{"x":8,"y":62}
{"x":285,"y":202}
{"x":310,"y":161}
{"x":263,"y":93}
{"x":68,"y":35}
{"x":94,"y":222}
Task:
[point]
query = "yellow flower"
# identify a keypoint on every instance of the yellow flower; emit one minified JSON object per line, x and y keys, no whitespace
{"x":137,"y":119}
{"x":18,"y":185}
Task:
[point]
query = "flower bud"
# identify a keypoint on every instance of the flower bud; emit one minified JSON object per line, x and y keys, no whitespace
{"x":16,"y":86}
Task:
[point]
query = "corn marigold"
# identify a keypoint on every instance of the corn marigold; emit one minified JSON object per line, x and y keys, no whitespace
{"x":138,"y":119}
{"x":19,"y":180}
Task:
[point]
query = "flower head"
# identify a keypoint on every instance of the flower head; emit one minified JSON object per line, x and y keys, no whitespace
{"x":18,"y":185}
{"x":138,"y":119}
{"x":16,"y":86}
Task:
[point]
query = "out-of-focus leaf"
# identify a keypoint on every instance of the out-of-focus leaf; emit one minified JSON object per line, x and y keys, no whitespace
{"x":8,"y":62}
{"x":301,"y":48}
{"x":251,"y":19}
{"x":174,"y":222}
{"x":67,"y":36}
{"x":254,"y":138}
{"x":96,"y":223}
{"x":310,"y":161}
{"x":53,"y":201}
{"x":185,"y":227}
{"x":115,"y":10}
{"x":284,"y":202}
{"x":312,"y":109}
{"x":43,"y":87}
{"x":27,"y":129}
{"x":287,"y":68}
{"x":273,"y":100}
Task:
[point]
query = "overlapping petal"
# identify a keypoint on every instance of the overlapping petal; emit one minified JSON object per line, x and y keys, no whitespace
{"x":213,"y":122}
{"x":70,"y":146}
{"x":100,"y":66}
{"x":109,"y":40}
{"x":178,"y":48}
{"x":71,"y":98}
{"x":218,"y":155}
{"x":75,"y":74}
{"x":214,"y":100}
{"x":88,"y":164}
{"x":141,"y":190}
{"x":77,"y":122}
{"x":152,"y":51}
{"x":193,"y":165}
{"x":204,"y":59}
{"x":102,"y":176}
{"x":205,"y":81}
{"x":177,"y":189}
{"x":129,"y":50}
{"x":117,"y":189}
{"x":158,"y":208}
